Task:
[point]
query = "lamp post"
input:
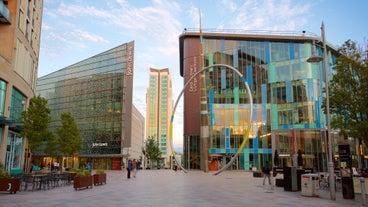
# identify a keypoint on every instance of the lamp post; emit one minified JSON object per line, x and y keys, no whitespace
{"x":330,"y":150}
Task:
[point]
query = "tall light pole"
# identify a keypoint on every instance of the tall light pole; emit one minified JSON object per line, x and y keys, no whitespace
{"x":329,"y":138}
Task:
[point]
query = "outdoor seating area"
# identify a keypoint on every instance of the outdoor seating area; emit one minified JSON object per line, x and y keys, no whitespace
{"x":46,"y":180}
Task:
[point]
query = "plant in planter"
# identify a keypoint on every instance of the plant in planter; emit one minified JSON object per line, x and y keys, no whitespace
{"x":100,"y":177}
{"x":7,"y":183}
{"x":83,"y":179}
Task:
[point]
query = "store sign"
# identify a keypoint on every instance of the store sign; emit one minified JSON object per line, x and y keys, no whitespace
{"x":104,"y":144}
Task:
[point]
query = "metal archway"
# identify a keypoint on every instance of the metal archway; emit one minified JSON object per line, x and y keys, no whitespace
{"x":246,"y":135}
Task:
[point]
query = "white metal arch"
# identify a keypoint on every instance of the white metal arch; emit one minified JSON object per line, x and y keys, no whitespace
{"x":246,"y":135}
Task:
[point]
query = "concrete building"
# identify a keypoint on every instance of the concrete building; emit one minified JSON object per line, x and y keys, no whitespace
{"x":158,"y":111}
{"x":287,"y":94}
{"x":98,"y":92}
{"x":20,"y":34}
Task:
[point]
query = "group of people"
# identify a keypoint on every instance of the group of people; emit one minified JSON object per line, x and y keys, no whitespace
{"x":132,"y":168}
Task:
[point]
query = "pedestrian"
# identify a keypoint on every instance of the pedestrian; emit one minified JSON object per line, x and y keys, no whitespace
{"x":266,"y":169}
{"x":134,"y":168}
{"x":129,"y":168}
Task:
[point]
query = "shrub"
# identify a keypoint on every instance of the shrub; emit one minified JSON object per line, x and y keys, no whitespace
{"x":83,"y":173}
{"x":4,"y":174}
{"x":100,"y":171}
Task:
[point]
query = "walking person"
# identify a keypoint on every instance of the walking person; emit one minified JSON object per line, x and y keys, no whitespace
{"x":266,"y":169}
{"x":129,"y":168}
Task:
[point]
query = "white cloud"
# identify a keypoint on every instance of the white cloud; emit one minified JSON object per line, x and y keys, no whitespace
{"x":271,"y":15}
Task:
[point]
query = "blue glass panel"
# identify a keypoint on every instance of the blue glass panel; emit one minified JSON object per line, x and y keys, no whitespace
{"x":222,"y":45}
{"x":292,"y":53}
{"x":211,"y":109}
{"x":227,"y":138}
{"x":235,"y":58}
{"x":264,"y":113}
{"x":249,"y":75}
{"x":317,"y":114}
{"x":288,"y":92}
{"x":255,"y":143}
{"x":264,"y":93}
{"x":267,"y":52}
{"x":223,"y":78}
{"x":272,"y":73}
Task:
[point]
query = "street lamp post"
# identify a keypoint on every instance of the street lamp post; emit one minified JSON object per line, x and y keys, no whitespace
{"x":329,"y":138}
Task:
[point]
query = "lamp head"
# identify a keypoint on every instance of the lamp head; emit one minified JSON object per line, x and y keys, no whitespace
{"x":314,"y":59}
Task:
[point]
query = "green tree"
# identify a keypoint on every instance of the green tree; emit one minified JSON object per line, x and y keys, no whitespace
{"x":35,"y":121}
{"x":349,"y":93}
{"x":69,"y":139}
{"x":152,"y":151}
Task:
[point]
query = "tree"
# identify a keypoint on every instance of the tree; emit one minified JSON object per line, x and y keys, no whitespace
{"x":152,"y":151}
{"x":349,"y":94}
{"x":69,"y":139}
{"x":35,"y":121}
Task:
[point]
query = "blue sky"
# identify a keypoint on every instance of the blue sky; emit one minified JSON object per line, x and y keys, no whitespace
{"x":73,"y":30}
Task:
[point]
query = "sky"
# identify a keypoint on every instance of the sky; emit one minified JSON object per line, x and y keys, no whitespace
{"x":74,"y":30}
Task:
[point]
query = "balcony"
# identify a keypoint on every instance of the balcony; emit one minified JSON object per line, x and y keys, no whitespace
{"x":4,"y":13}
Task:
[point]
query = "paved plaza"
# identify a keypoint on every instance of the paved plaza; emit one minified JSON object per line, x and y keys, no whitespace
{"x":169,"y":188}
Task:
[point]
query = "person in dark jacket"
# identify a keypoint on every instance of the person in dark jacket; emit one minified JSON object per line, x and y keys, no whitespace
{"x":129,"y":168}
{"x":266,"y":169}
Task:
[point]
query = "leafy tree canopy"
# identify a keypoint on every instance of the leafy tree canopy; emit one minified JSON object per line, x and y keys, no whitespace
{"x":349,"y":92}
{"x":35,"y":121}
{"x":152,"y":150}
{"x":69,"y":139}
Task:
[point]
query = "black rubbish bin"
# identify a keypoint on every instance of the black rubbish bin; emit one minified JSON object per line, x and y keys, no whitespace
{"x":347,"y":187}
{"x":290,"y":179}
{"x":299,"y":173}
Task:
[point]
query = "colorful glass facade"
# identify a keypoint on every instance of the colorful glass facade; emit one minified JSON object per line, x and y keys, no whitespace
{"x":98,"y":93}
{"x":287,"y":95}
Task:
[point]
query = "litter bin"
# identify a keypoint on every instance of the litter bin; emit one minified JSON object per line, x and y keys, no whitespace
{"x":310,"y":186}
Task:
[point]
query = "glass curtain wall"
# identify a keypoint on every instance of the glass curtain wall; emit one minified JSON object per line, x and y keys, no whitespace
{"x":286,"y":96}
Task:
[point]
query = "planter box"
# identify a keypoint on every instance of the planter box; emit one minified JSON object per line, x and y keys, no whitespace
{"x":10,"y":184}
{"x":83,"y":182}
{"x":99,"y":179}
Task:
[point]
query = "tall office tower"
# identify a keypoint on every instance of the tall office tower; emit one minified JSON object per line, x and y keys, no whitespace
{"x":158,"y":111}
{"x":20,"y":31}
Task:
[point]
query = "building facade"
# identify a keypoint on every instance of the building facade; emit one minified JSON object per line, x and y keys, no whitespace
{"x":20,"y":32}
{"x":158,"y":111}
{"x":98,"y":93}
{"x":287,"y":95}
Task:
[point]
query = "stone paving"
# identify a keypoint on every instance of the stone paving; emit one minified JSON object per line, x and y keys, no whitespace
{"x":170,"y":188}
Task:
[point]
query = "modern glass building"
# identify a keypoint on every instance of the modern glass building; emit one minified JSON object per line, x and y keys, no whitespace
{"x":158,"y":111}
{"x":98,"y":93}
{"x":287,"y":94}
{"x":20,"y":31}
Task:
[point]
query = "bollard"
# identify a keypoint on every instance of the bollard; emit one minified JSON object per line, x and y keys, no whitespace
{"x":362,"y":186}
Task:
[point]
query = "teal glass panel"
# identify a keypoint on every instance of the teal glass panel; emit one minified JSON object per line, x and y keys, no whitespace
{"x":2,"y":96}
{"x":288,"y":92}
{"x":236,"y":115}
{"x":210,"y":61}
{"x":236,"y":95}
{"x":274,"y":121}
{"x":310,"y":89}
